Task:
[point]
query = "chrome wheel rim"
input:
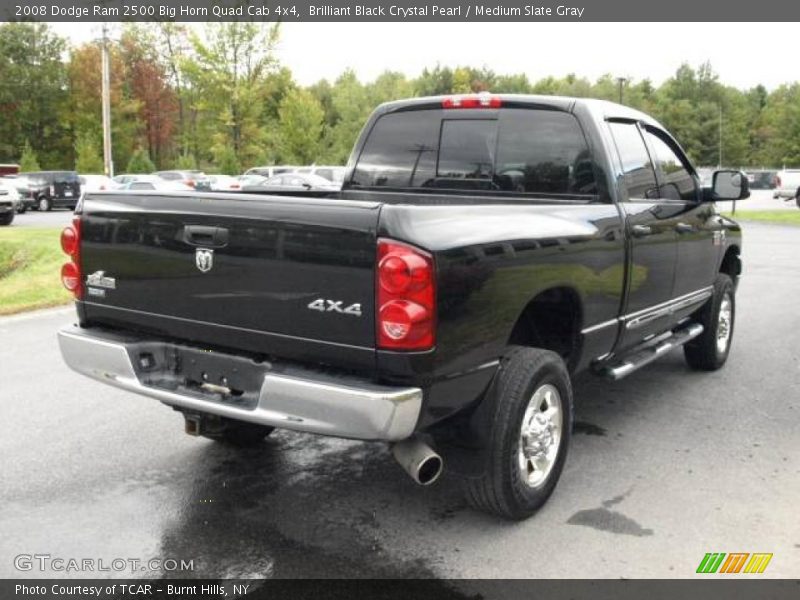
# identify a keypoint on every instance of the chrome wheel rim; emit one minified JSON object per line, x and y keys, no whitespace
{"x":724,"y":323}
{"x":540,"y":435}
{"x":42,"y":204}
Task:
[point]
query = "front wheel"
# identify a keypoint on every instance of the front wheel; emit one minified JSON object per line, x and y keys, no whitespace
{"x":709,"y":351}
{"x":21,"y":208}
{"x":530,"y":432}
{"x":797,"y":199}
{"x":7,"y":218}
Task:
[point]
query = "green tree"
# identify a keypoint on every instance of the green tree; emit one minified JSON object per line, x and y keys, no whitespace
{"x":33,"y":94}
{"x":28,"y":161}
{"x":140,"y":162}
{"x":228,"y":71}
{"x":186,"y":162}
{"x":351,"y":101}
{"x":435,"y":82}
{"x":87,"y":155}
{"x":300,"y":129}
{"x":226,"y":161}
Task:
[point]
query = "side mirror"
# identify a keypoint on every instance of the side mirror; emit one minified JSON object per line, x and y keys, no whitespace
{"x":728,"y":185}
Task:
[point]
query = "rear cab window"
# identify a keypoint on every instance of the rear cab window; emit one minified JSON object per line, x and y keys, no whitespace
{"x":513,"y":151}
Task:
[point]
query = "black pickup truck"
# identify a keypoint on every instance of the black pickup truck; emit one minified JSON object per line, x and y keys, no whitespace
{"x":483,"y":250}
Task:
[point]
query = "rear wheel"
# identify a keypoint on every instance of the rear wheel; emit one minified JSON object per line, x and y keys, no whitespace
{"x":530,"y":434}
{"x":797,"y":198}
{"x":45,"y":204}
{"x":709,"y":351}
{"x":21,"y":208}
{"x":7,"y":218}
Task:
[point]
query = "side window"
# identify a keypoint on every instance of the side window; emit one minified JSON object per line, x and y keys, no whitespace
{"x":638,"y":175}
{"x":676,"y":183}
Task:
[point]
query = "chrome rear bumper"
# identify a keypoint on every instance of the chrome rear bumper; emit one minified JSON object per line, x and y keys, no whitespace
{"x":294,"y":398}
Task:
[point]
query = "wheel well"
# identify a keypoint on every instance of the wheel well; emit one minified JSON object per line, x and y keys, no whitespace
{"x":552,"y":320}
{"x":731,"y":264}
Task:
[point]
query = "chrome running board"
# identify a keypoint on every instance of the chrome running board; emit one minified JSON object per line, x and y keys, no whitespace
{"x":640,"y":357}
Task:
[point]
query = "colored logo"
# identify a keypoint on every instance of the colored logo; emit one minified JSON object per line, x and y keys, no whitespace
{"x":734,"y":562}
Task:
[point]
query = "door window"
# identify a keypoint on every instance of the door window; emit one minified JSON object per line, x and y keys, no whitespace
{"x":639,"y":178}
{"x":675,"y":180}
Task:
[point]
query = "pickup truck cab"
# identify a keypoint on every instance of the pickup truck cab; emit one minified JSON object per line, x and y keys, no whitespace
{"x":483,"y":251}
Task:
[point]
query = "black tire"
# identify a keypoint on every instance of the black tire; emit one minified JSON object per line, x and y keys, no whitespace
{"x":7,"y":218}
{"x":703,"y":353}
{"x":500,"y":489}
{"x":797,"y":199}
{"x":241,"y":434}
{"x":45,"y":204}
{"x":21,"y":208}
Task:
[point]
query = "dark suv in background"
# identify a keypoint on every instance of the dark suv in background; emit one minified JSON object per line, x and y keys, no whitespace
{"x":55,"y":189}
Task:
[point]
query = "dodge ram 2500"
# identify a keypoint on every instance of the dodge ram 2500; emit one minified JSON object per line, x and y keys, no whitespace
{"x":483,"y":250}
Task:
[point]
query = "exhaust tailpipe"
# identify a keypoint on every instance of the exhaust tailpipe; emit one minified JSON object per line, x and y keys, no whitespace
{"x":419,"y":460}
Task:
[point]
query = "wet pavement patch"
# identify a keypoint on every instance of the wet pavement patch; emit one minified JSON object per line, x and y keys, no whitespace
{"x":603,"y":519}
{"x":588,"y":428}
{"x":612,"y":521}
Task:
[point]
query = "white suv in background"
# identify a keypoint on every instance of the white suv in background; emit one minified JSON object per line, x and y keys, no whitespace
{"x":788,"y":185}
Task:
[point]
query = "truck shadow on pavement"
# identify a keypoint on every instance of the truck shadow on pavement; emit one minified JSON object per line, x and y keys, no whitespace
{"x":303,"y":505}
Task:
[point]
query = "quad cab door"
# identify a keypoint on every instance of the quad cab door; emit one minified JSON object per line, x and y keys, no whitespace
{"x":698,"y":227}
{"x":651,"y":223}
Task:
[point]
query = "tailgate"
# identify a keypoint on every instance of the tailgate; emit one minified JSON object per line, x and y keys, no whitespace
{"x":289,"y":277}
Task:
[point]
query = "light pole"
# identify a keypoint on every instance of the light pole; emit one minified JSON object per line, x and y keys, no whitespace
{"x":719,"y":166}
{"x":108,"y":161}
{"x":621,"y":81}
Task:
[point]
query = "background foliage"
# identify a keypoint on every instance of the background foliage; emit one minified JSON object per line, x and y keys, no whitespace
{"x":221,"y":102}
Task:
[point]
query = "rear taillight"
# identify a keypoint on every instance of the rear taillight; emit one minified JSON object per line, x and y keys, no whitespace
{"x":405,"y":297}
{"x":777,"y":181}
{"x":71,"y":245}
{"x":472,"y":101}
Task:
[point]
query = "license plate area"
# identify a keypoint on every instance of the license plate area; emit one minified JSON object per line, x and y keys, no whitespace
{"x":210,"y":375}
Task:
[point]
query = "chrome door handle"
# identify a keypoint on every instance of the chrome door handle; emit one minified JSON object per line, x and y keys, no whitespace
{"x":684,"y":228}
{"x":641,"y":230}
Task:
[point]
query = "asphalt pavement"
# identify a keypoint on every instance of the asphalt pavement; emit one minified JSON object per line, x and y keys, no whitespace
{"x":33,"y":218}
{"x":665,"y":466}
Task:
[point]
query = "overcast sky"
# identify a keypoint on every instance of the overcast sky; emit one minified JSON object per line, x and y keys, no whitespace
{"x":743,"y":54}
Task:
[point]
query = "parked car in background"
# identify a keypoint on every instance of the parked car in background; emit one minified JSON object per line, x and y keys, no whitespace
{"x":9,"y":200}
{"x":28,"y":191}
{"x":219,"y":183}
{"x":9,"y":169}
{"x":55,"y":189}
{"x":762,"y":179}
{"x":97,"y":183}
{"x":332,"y":174}
{"x":124,"y":178}
{"x":787,"y":185}
{"x":252,"y":179}
{"x":299,"y":182}
{"x":189,"y":178}
{"x":154,"y":183}
{"x":271,"y":171}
